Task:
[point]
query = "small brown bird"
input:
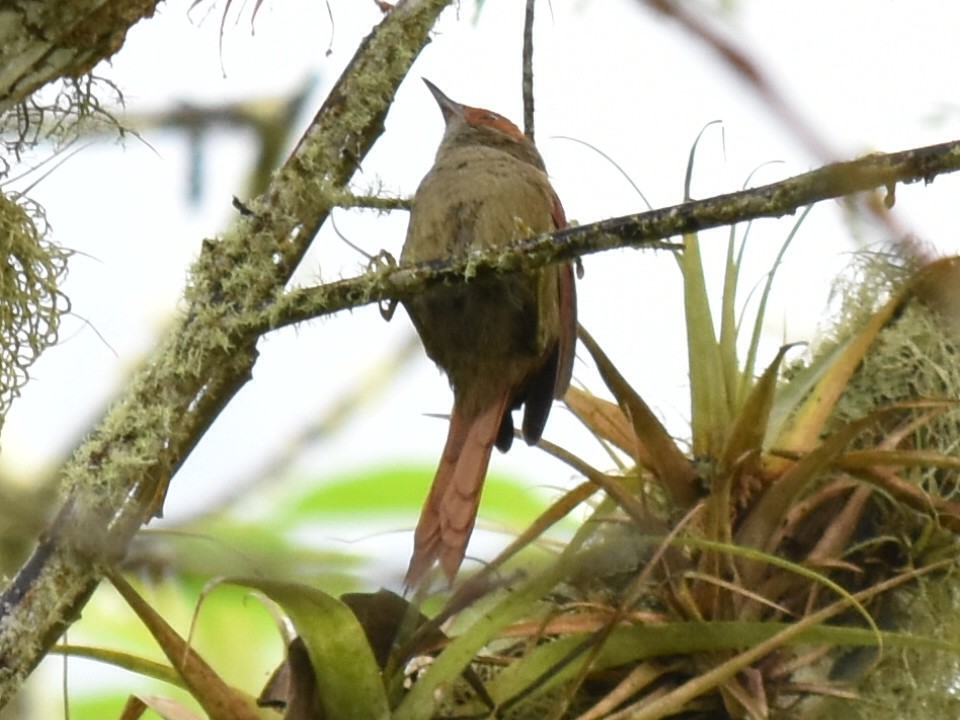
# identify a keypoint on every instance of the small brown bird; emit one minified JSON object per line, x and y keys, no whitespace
{"x":503,"y":341}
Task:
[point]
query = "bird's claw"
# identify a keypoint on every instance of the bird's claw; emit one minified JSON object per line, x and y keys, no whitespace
{"x":383,"y":260}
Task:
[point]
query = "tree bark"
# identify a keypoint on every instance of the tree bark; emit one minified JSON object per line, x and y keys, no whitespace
{"x":45,"y":40}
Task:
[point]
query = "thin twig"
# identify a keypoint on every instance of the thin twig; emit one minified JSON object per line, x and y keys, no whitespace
{"x":528,"y":128}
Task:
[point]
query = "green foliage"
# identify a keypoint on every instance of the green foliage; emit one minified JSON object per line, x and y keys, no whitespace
{"x":348,"y":680}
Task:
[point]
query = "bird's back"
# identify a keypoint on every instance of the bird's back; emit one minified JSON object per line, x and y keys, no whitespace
{"x":477,"y":198}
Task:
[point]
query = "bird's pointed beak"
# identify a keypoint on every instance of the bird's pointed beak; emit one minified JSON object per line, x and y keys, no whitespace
{"x":448,"y":107}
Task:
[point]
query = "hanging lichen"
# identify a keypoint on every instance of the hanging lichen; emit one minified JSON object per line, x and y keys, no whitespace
{"x":31,"y":303}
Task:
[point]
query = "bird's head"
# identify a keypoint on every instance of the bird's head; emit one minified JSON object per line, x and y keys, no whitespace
{"x":456,"y":114}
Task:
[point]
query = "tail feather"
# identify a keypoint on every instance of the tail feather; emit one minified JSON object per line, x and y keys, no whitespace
{"x":450,"y":511}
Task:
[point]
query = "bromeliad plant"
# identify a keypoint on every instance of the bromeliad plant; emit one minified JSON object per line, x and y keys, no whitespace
{"x":767,"y":572}
{"x":807,"y":500}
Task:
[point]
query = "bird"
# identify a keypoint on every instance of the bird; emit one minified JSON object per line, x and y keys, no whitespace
{"x":504,"y":340}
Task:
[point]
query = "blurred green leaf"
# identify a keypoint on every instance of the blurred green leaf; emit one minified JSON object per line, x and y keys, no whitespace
{"x":401,"y":489}
{"x":348,"y":678}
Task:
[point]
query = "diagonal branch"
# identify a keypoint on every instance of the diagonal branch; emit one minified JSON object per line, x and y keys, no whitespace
{"x":117,"y":479}
{"x":642,"y":230}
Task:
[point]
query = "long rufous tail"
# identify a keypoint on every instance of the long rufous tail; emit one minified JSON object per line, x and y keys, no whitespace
{"x":450,"y":511}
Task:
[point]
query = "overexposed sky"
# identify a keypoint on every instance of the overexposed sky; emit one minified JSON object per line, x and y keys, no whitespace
{"x":867,"y":75}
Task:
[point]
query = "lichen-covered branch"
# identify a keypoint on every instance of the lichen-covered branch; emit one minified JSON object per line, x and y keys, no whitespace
{"x":643,"y":230}
{"x":117,"y":479}
{"x":43,"y":40}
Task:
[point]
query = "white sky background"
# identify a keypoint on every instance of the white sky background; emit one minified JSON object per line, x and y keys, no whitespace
{"x":869,"y":75}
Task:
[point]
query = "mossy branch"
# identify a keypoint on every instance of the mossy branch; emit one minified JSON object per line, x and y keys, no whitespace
{"x":42,"y":41}
{"x":117,"y":479}
{"x":642,"y":230}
